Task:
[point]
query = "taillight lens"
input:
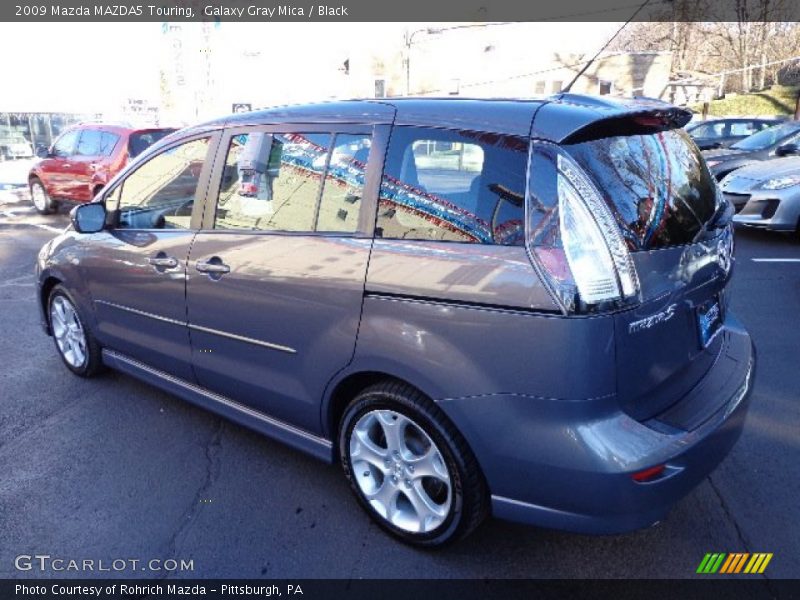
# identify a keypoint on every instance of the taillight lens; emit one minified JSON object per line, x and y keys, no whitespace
{"x":574,"y":237}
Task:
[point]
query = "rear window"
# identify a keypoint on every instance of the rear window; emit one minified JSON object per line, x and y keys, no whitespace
{"x":453,"y":186}
{"x":141,"y":140}
{"x":657,"y":185}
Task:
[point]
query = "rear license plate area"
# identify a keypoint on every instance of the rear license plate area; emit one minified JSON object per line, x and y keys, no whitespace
{"x":709,"y":320}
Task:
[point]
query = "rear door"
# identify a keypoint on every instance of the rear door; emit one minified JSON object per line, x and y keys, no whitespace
{"x":664,"y":197}
{"x":87,"y":153}
{"x":276,"y":276}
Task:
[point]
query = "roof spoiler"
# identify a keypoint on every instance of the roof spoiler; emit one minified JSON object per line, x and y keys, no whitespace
{"x":575,"y":118}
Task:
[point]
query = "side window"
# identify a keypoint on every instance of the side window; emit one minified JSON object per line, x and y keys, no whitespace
{"x":160,"y":193}
{"x":89,"y":143}
{"x":743,"y":128}
{"x":459,"y":186}
{"x":107,"y":143}
{"x":271,"y":182}
{"x":65,"y":145}
{"x":344,"y":184}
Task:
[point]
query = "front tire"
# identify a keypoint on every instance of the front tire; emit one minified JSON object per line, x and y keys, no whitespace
{"x":41,"y":199}
{"x":409,"y":467}
{"x":75,"y":343}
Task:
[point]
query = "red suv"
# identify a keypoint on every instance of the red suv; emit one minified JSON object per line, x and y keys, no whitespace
{"x":83,"y":159}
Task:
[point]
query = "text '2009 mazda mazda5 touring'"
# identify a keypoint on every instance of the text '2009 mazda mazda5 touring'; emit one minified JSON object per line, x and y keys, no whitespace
{"x":516,"y":308}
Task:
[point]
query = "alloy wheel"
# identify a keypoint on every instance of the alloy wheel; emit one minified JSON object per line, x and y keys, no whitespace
{"x":68,"y":331}
{"x":400,"y":471}
{"x":39,"y":196}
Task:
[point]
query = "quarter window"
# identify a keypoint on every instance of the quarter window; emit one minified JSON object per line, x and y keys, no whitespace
{"x":161,"y":192}
{"x":459,"y":186}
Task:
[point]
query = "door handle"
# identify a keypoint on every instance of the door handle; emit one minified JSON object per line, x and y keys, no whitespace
{"x":161,"y":261}
{"x":213,"y":266}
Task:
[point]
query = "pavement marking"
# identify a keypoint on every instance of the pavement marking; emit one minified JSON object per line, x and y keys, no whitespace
{"x":776,"y":260}
{"x":39,"y":225}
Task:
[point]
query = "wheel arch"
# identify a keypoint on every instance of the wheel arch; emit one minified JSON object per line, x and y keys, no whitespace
{"x":48,"y":283}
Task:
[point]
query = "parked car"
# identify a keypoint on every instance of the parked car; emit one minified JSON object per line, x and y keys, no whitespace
{"x":83,"y":159}
{"x":776,"y":141}
{"x":766,"y":194}
{"x":721,"y":133}
{"x":14,"y":145}
{"x":464,"y":339}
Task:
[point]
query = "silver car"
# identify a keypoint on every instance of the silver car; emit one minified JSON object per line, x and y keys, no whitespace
{"x":766,"y":194}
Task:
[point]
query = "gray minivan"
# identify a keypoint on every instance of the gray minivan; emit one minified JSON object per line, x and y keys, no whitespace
{"x":515,"y":308}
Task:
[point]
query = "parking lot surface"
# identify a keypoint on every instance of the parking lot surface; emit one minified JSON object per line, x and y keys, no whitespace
{"x":112,"y":468}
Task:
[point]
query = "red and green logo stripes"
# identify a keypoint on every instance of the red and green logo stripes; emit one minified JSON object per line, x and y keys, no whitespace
{"x":736,"y":562}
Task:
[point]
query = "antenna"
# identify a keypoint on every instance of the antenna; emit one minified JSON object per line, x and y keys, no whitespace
{"x":611,"y":39}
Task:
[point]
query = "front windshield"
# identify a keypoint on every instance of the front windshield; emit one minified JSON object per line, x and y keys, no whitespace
{"x":767,"y":137}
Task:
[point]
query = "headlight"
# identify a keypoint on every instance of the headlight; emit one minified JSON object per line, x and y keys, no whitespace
{"x":779,"y":183}
{"x":713,"y":163}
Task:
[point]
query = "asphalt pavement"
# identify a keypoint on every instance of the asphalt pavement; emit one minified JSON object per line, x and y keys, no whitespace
{"x":111,"y":468}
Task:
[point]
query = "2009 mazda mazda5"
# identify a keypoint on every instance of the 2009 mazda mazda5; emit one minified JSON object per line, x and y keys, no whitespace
{"x":516,"y":308}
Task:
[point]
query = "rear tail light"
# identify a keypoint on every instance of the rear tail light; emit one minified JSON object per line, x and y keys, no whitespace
{"x":579,"y":245}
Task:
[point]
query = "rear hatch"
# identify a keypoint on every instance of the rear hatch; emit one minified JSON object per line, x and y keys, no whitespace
{"x":674,"y":223}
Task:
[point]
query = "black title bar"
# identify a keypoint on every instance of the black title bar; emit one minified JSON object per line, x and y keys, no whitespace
{"x":393,"y":11}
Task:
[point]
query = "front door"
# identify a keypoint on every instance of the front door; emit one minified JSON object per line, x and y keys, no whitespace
{"x":276,"y":278}
{"x":139,"y":264}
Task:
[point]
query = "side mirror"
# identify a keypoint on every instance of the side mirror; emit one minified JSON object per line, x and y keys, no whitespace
{"x":88,"y":218}
{"x":42,"y":152}
{"x":787,"y":150}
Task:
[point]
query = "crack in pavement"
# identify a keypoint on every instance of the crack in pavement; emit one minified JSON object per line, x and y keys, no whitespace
{"x":212,"y":449}
{"x":739,"y":533}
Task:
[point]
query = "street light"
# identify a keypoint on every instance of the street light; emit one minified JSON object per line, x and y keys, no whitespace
{"x":409,"y":41}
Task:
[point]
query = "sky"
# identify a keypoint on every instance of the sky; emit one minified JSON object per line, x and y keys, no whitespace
{"x":94,"y":67}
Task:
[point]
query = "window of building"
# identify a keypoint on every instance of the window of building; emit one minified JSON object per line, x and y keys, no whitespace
{"x":557,"y":86}
{"x":605,"y":87}
{"x":460,"y":186}
{"x":539,"y":87}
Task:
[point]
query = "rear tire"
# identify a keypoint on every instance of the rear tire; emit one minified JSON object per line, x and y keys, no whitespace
{"x":40,"y":198}
{"x":409,"y":468}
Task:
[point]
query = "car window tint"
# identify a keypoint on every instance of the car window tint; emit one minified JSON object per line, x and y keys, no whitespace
{"x":89,"y":143}
{"x":65,"y":145}
{"x":107,"y":143}
{"x":743,"y":128}
{"x":161,"y":192}
{"x":271,"y":182}
{"x":709,"y":130}
{"x":343,"y":185}
{"x":460,"y":186}
{"x":140,"y":141}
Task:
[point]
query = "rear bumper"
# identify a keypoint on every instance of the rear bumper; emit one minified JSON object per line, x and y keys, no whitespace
{"x":569,"y":465}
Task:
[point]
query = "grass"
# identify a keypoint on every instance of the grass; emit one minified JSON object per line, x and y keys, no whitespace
{"x":777,"y":100}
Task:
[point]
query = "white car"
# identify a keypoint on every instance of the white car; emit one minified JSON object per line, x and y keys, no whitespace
{"x":14,"y":145}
